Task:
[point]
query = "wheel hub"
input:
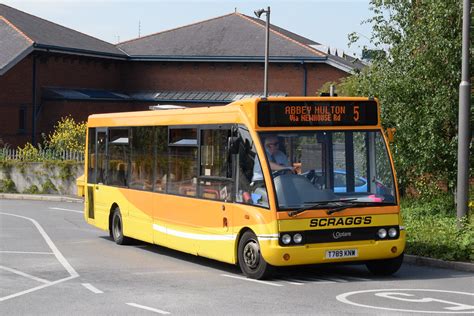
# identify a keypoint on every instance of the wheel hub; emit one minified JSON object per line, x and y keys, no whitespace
{"x":252,"y":254}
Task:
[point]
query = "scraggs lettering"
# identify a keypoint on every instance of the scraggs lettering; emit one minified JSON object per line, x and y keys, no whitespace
{"x":340,"y":221}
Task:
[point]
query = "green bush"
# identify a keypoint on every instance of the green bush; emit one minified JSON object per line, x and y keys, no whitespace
{"x":7,"y":186}
{"x":33,"y":189}
{"x":48,"y":188}
{"x":432,"y":229}
{"x":28,"y":153}
{"x":67,"y":135}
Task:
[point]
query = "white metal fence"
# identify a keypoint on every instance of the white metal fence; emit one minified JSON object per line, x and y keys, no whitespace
{"x":41,"y":155}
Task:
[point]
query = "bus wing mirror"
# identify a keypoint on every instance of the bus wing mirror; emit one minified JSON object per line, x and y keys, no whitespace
{"x":390,"y":132}
{"x":233,"y":145}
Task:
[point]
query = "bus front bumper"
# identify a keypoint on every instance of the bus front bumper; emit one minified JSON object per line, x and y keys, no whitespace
{"x":353,"y":251}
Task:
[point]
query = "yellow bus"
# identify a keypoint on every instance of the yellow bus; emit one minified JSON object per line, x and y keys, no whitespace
{"x":262,"y":182}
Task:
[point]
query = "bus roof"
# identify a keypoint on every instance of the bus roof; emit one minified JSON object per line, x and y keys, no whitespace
{"x":238,"y":112}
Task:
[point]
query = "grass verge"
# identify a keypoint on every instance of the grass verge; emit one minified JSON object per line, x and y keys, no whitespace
{"x":432,"y":229}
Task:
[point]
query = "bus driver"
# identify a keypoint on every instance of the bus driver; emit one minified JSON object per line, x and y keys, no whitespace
{"x":276,"y":158}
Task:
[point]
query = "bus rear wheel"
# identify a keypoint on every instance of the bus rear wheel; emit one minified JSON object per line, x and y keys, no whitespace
{"x":250,"y":258}
{"x":385,"y":267}
{"x":117,"y":228}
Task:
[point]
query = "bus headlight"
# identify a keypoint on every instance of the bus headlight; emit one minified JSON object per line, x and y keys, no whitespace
{"x":382,"y":233}
{"x":392,"y":232}
{"x":297,"y":238}
{"x":286,"y":239}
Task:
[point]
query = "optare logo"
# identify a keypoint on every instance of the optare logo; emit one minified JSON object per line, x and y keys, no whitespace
{"x":337,"y":235}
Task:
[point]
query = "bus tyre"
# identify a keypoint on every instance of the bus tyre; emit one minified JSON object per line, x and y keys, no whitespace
{"x":251,"y":261}
{"x":385,"y":267}
{"x":117,"y":228}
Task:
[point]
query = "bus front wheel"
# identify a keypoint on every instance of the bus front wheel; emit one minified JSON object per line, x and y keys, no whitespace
{"x":250,"y":258}
{"x":117,"y":228}
{"x":385,"y":267}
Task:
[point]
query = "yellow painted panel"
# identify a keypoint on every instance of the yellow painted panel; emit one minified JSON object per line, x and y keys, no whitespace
{"x":337,"y":222}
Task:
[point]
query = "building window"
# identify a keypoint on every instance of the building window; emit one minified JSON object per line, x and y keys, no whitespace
{"x":22,"y":119}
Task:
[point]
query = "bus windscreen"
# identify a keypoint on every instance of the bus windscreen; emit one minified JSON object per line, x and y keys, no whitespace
{"x":317,"y":113}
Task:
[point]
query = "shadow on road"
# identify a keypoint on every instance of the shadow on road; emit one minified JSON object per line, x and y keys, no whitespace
{"x":337,"y":272}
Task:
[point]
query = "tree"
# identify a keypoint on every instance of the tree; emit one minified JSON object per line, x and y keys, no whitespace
{"x":67,"y":135}
{"x":417,"y":83}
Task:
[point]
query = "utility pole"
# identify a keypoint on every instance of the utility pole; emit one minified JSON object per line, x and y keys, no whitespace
{"x":464,"y":131}
{"x":259,"y":13}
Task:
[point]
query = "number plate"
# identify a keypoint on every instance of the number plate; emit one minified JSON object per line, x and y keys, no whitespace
{"x":341,"y":253}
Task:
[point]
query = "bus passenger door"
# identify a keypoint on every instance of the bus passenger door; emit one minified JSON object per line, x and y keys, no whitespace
{"x":97,"y":208}
{"x":216,"y":191}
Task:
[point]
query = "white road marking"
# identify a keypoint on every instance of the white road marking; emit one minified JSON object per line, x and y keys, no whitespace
{"x":92,"y":288}
{"x":65,"y":209}
{"x":159,"y":311}
{"x":57,"y":254}
{"x":28,"y":252}
{"x":356,"y":278}
{"x":36,"y":288}
{"x":250,"y":280}
{"x":323,"y":281}
{"x":459,"y":309}
{"x":334,"y":279}
{"x":52,"y":246}
{"x":294,"y":283}
{"x":26,"y":275}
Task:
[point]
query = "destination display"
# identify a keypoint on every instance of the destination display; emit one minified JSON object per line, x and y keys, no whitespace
{"x":317,"y":113}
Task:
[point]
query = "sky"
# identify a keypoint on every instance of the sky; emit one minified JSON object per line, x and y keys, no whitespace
{"x":324,"y":21}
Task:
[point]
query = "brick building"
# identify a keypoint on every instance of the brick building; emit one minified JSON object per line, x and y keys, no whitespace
{"x":48,"y":71}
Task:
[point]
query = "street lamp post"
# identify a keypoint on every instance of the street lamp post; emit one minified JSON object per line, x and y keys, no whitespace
{"x":464,"y":131}
{"x":259,"y":13}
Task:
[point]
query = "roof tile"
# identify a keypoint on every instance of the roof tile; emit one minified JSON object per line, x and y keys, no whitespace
{"x":14,"y":45}
{"x":47,"y":33}
{"x":232,"y":35}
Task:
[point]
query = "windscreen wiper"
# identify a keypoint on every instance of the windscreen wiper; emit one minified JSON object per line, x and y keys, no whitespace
{"x":331,"y":204}
{"x":340,"y":208}
{"x":355,"y":203}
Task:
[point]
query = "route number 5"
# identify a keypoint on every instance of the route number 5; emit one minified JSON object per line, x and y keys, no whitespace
{"x":356,"y":113}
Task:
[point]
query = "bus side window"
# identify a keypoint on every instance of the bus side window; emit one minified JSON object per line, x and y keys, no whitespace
{"x":118,"y":157}
{"x":142,"y":155}
{"x":183,"y":154}
{"x":250,"y":185}
{"x":215,"y":180}
{"x":161,"y":161}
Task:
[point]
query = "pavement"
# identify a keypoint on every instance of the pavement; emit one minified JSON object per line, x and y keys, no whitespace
{"x":410,"y":259}
{"x":41,"y":197}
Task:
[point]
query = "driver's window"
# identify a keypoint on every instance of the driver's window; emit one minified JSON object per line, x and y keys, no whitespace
{"x":250,"y":183}
{"x":278,"y":153}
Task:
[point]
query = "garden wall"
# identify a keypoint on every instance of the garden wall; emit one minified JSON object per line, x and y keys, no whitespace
{"x":56,"y":177}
